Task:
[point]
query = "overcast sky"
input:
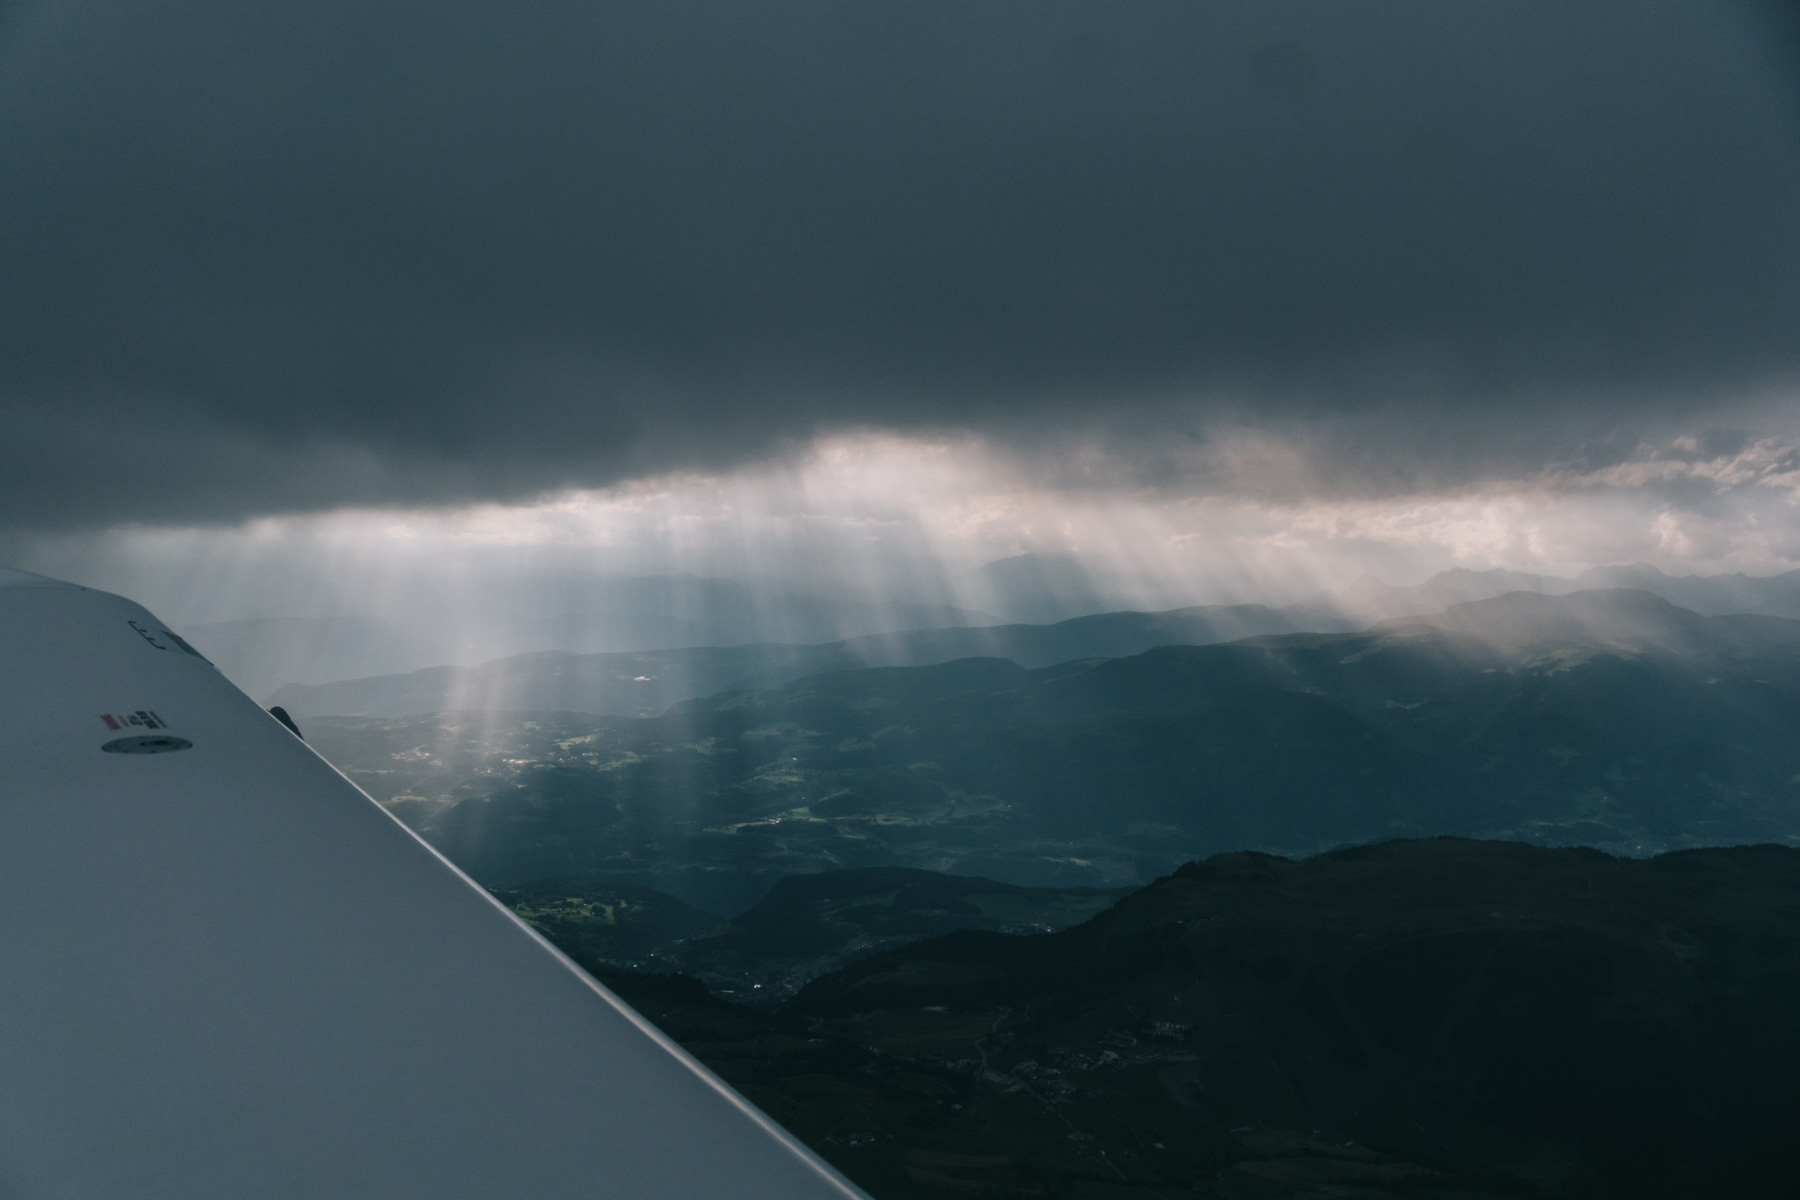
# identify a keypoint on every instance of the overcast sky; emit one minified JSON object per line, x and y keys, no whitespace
{"x":328,"y":307}
{"x":291,"y":256}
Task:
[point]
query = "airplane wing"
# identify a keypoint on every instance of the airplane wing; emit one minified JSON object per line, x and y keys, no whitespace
{"x":228,"y":973}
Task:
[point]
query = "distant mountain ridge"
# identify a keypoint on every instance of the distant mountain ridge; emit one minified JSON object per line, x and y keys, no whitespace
{"x":1628,"y":621}
{"x":579,"y":613}
{"x":1710,"y":595}
{"x":646,"y":683}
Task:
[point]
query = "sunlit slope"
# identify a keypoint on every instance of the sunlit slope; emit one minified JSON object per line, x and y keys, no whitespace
{"x":1606,"y":718}
{"x":646,"y":683}
{"x":1436,"y":1018}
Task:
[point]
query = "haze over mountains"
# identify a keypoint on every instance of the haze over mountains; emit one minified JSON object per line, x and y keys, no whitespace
{"x":1608,"y":718}
{"x":900,"y":858}
{"x":440,"y":621}
{"x":646,"y":683}
{"x":886,"y":869}
{"x":661,"y":672}
{"x":578,"y":612}
{"x":1769,"y":595}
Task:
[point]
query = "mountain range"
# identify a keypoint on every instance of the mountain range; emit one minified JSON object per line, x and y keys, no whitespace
{"x":1439,"y":1019}
{"x":575,"y":612}
{"x":1369,"y":598}
{"x":1037,"y":929}
{"x":1608,"y":718}
{"x":304,"y":667}
{"x":647,"y":683}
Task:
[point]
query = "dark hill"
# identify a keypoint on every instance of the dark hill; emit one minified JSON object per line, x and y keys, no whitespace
{"x":804,"y":927}
{"x":810,"y":924}
{"x":1425,"y":1019}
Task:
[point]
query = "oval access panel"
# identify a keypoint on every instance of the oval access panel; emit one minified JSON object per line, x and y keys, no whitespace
{"x":149,"y":744}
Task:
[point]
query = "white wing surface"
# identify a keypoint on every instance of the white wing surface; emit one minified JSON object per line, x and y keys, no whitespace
{"x":227,"y":973}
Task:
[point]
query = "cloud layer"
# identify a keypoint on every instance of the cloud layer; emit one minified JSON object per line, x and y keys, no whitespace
{"x":293,"y":256}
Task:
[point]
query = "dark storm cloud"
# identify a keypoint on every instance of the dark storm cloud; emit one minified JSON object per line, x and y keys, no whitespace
{"x":290,"y":255}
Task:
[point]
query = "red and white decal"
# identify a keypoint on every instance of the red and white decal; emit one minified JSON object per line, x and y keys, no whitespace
{"x":143,"y":718}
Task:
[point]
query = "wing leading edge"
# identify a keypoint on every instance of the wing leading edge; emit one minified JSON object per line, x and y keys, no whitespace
{"x":229,"y":973}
